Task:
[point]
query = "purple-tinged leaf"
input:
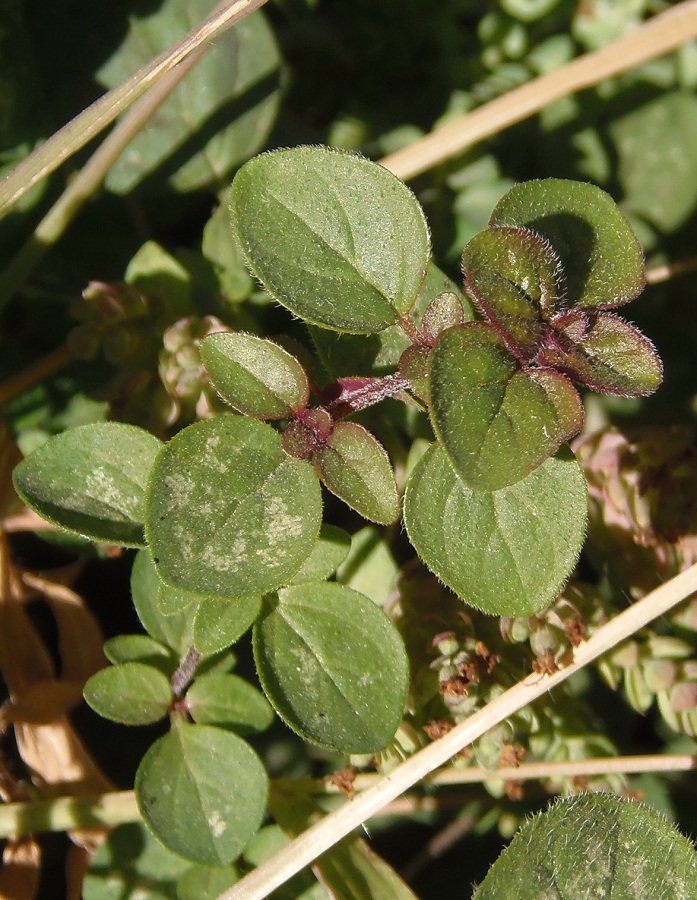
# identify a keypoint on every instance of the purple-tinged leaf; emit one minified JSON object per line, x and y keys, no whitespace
{"x":607,"y":354}
{"x":600,"y":253}
{"x":516,"y":280}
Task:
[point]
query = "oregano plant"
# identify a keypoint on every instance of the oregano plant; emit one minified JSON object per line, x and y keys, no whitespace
{"x":229,"y":511}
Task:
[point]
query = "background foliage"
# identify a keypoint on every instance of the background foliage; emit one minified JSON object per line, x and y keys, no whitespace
{"x":150,"y":267}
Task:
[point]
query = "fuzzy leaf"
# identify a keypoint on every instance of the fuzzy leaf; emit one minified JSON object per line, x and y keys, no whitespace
{"x":220,"y":621}
{"x":255,"y":376}
{"x":328,"y":554}
{"x":505,"y":552}
{"x":607,"y":354}
{"x":601,"y":256}
{"x":444,"y":311}
{"x":354,"y":466}
{"x":131,"y":693}
{"x":333,"y":666}
{"x":202,"y":790}
{"x":594,"y":845}
{"x":91,"y":479}
{"x":228,"y":513}
{"x":496,"y":422}
{"x":516,"y":280}
{"x":337,"y":239}
{"x":230,"y":702}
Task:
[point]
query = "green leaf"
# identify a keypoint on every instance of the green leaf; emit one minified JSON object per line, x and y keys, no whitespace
{"x":516,"y":279}
{"x":657,"y":158}
{"x":140,"y":648}
{"x":131,"y":693}
{"x":507,"y":552}
{"x":607,"y":354}
{"x":218,"y":116}
{"x":327,"y":555}
{"x":206,"y":882}
{"x":228,"y":513}
{"x":255,"y":376}
{"x":220,"y":248}
{"x":220,"y":621}
{"x":202,"y":790}
{"x":594,"y":845}
{"x":132,"y":863}
{"x":333,"y":666}
{"x":91,"y":479}
{"x":601,"y":256}
{"x":354,"y":466}
{"x":175,"y":630}
{"x":266,"y":843}
{"x":370,"y":567}
{"x":378,"y":354}
{"x":337,"y":239}
{"x":230,"y":702}
{"x":496,"y":422}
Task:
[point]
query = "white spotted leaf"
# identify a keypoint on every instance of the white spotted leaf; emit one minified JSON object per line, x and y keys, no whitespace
{"x":228,"y":513}
{"x":91,"y":479}
{"x":202,"y":790}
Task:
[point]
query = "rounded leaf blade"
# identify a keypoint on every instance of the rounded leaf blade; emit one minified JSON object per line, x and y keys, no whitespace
{"x":131,"y":693}
{"x":202,"y":790}
{"x":228,"y":513}
{"x":230,"y":702}
{"x":355,"y":467}
{"x":594,"y":845}
{"x":338,"y":240}
{"x":91,"y":479}
{"x":505,"y":552}
{"x":602,"y":258}
{"x":254,"y":375}
{"x":333,"y":666}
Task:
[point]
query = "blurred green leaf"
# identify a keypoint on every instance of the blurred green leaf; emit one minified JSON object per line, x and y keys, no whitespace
{"x":218,"y":116}
{"x":657,"y":166}
{"x":133,"y":863}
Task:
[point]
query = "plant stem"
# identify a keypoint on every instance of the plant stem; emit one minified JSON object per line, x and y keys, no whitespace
{"x":661,"y":34}
{"x":376,"y":390}
{"x":80,"y":130}
{"x":35,"y":373}
{"x":657,"y":274}
{"x":320,"y":837}
{"x":182,"y":677}
{"x":67,"y":813}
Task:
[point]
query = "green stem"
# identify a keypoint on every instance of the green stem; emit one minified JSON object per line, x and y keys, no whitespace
{"x":67,"y":813}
